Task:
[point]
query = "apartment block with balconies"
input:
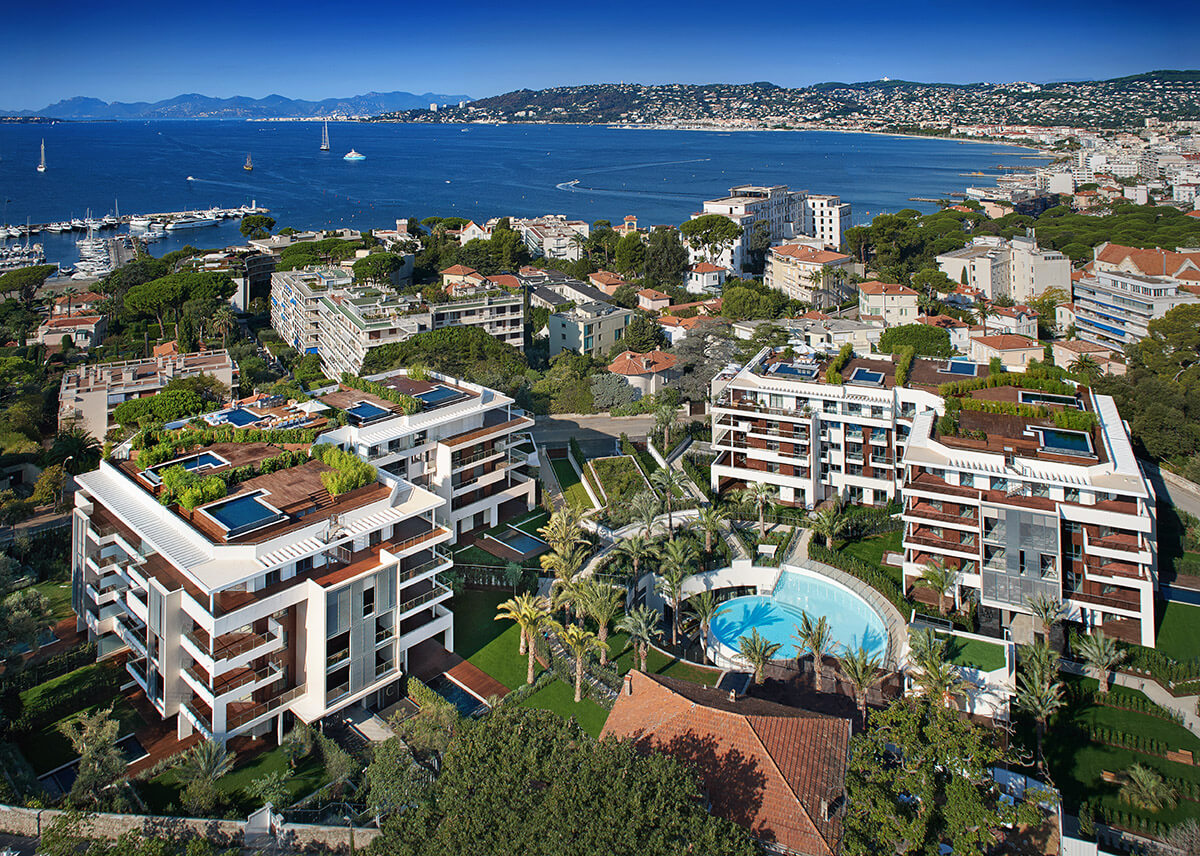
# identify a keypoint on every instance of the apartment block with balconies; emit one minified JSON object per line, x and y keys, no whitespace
{"x":278,"y":600}
{"x":462,"y":445}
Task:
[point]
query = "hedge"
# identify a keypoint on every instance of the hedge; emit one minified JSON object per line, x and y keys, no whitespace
{"x":424,"y":696}
{"x":56,"y":666}
{"x":1178,"y":677}
{"x":697,"y":476}
{"x":408,"y":404}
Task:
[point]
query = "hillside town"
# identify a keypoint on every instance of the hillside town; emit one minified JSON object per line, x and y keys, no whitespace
{"x":763,"y":531}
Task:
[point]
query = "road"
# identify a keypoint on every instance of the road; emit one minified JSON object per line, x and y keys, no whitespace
{"x":594,"y":433}
{"x":1182,"y":498}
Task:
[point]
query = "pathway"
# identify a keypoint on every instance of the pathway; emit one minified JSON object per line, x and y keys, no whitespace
{"x":1185,"y":706}
{"x":550,"y":479}
{"x":798,"y":550}
{"x":429,"y":660}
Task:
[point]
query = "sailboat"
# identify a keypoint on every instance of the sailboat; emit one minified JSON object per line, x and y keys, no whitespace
{"x":325,"y":138}
{"x":248,"y":165}
{"x":42,"y":165}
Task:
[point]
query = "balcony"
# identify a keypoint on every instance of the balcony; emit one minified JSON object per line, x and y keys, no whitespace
{"x":927,"y":511}
{"x":458,"y":461}
{"x":1121,"y":599}
{"x":436,"y":591}
{"x":236,"y":679}
{"x":200,"y":714}
{"x":411,"y":573}
{"x":240,"y":713}
{"x":137,"y":668}
{"x":926,"y":539}
{"x":234,"y":644}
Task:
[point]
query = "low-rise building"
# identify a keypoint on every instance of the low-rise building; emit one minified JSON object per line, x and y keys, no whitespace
{"x":1017,"y":269}
{"x":88,"y":394}
{"x":1020,"y":320}
{"x":809,"y":274}
{"x":84,"y":331}
{"x":606,"y":281}
{"x":653,"y":300}
{"x":85,"y":303}
{"x":705,"y":278}
{"x":588,"y":328}
{"x":1013,"y":351}
{"x":649,"y":372}
{"x":1067,"y":353}
{"x":894,"y":305}
{"x":959,"y":331}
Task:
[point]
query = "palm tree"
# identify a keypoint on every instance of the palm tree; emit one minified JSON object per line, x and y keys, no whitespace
{"x":1048,"y":610}
{"x":983,"y":310}
{"x":710,"y":520}
{"x":757,"y":651}
{"x":938,"y":677}
{"x":664,"y":418}
{"x":206,"y":762}
{"x":940,"y":578}
{"x":564,"y":564}
{"x":70,"y":293}
{"x":1144,"y":788}
{"x":761,"y":495}
{"x":602,"y":603}
{"x":1039,"y":691}
{"x":76,"y":444}
{"x":815,"y":638}
{"x":581,"y":642}
{"x":862,"y":671}
{"x":1085,"y":366}
{"x":678,"y":558}
{"x":702,"y":609}
{"x":568,"y":595}
{"x":667,"y":481}
{"x":641,"y":623}
{"x":224,"y":322}
{"x":1101,"y":653}
{"x":635,"y":548}
{"x":829,"y":522}
{"x":644,"y":508}
{"x":530,"y":613}
{"x":562,"y":530}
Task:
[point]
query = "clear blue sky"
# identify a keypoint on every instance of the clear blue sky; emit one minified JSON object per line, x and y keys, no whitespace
{"x":146,"y":51}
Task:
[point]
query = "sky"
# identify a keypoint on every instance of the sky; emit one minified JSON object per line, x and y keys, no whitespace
{"x":139,"y":51}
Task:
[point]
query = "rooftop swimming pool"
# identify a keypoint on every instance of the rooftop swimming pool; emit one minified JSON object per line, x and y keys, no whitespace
{"x":960,"y":367}
{"x":1066,"y":442}
{"x":522,"y":542}
{"x":365,"y":411}
{"x":438,"y":395}
{"x":192,"y":463}
{"x":239,"y":416}
{"x":794,"y":370}
{"x":1030,"y":396}
{"x":867,"y":376}
{"x":852,"y":621}
{"x":242,"y":513}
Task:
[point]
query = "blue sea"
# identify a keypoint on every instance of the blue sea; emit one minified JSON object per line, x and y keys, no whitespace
{"x":476,"y":171}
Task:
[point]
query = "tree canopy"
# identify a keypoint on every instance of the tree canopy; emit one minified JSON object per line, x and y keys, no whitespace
{"x":927,"y":341}
{"x":527,"y":781}
{"x":710,"y":234}
{"x":467,"y":352}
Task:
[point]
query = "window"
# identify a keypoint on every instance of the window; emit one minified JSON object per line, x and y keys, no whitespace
{"x":304,"y":565}
{"x":368,"y":601}
{"x":1047,"y":566}
{"x":1071,"y":494}
{"x":966,"y":479}
{"x":999,"y":483}
{"x":271,"y":578}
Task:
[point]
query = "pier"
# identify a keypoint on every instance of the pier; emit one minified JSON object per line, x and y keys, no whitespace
{"x":158,"y":220}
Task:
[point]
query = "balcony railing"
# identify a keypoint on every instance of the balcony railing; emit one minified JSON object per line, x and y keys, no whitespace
{"x":200,"y":713}
{"x":439,"y":558}
{"x":233,"y":644}
{"x":241,"y":717}
{"x":434,"y":593}
{"x":457,"y":461}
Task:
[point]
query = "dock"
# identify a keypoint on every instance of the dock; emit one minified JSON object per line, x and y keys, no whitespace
{"x":160,"y":219}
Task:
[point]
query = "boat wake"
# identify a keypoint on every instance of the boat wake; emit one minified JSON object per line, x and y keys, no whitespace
{"x":573,"y":186}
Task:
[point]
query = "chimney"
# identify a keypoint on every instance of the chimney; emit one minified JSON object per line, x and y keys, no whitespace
{"x":733,"y":695}
{"x":627,"y":688}
{"x":824,"y":809}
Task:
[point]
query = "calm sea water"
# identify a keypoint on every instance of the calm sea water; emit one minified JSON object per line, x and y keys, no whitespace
{"x":473,"y":171}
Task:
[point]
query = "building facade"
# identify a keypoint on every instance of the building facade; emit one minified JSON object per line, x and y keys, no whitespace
{"x":808,"y":274}
{"x":1115,"y":308}
{"x":589,"y":328}
{"x":893,"y":305}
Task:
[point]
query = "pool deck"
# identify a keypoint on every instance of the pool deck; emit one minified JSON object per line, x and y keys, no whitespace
{"x":429,"y":660}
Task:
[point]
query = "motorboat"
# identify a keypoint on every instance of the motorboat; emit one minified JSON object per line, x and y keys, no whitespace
{"x":190,"y":222}
{"x":352,"y":155}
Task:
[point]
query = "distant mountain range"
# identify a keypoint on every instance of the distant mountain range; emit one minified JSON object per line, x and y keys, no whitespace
{"x":194,"y":106}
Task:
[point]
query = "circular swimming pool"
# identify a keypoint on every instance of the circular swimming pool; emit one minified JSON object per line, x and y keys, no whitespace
{"x":852,"y":621}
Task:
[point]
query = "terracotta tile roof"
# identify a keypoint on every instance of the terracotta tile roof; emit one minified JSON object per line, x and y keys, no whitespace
{"x":803,"y":253}
{"x":676,"y":321}
{"x":458,"y":270}
{"x":1154,"y":262}
{"x":73,"y":321}
{"x":605,"y":277}
{"x":1077,"y":346}
{"x":1193,"y":214}
{"x":1007,"y":342}
{"x":80,"y":299}
{"x":1013,"y":311}
{"x":888,"y":288}
{"x":713,"y":305}
{"x":506,"y":280}
{"x":943,"y":321}
{"x":815,"y":315}
{"x":633,"y":363}
{"x":706,"y":267}
{"x":778,"y":771}
{"x":653,"y":294}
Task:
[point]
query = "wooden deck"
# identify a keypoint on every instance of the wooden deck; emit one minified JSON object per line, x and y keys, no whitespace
{"x":430,"y":660}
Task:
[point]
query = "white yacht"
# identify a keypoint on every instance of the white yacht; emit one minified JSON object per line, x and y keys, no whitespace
{"x":191,"y":222}
{"x":352,"y":155}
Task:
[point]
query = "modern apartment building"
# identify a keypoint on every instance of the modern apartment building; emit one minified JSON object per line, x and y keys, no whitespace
{"x":1016,"y":504}
{"x":279,"y":600}
{"x":826,"y":218}
{"x":553,"y":236}
{"x":88,"y":394}
{"x":321,"y":311}
{"x":1018,"y":269}
{"x":1115,"y":309}
{"x":589,"y":328}
{"x":461,"y":445}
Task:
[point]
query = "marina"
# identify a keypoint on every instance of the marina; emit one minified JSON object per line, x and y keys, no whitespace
{"x":164,"y":220}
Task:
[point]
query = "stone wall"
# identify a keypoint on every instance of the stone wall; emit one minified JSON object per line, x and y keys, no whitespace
{"x":29,"y":823}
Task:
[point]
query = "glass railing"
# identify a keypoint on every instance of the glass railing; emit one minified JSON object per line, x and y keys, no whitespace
{"x":420,"y":600}
{"x":241,"y":717}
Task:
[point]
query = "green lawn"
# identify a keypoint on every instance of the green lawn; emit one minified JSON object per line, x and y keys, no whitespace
{"x":974,"y":653}
{"x":48,"y":748}
{"x":533,"y":521}
{"x":560,"y":698}
{"x":572,"y":488}
{"x":59,"y":595}
{"x":873,"y":549}
{"x":1076,"y":763}
{"x":164,"y":789}
{"x":619,"y":478}
{"x":658,"y":663}
{"x":1177,"y":626}
{"x":484,"y":642}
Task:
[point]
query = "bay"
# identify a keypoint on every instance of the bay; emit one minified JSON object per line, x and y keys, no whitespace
{"x":475,"y":171}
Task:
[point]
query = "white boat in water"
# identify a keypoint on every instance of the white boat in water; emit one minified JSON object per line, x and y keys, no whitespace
{"x":353,"y":156}
{"x":139,"y":222}
{"x":325,"y":138}
{"x":191,"y":223}
{"x":42,"y":162}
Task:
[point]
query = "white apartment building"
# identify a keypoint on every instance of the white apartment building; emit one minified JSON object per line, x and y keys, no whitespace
{"x":785,"y":213}
{"x":321,"y":312}
{"x":276,"y":602}
{"x":589,"y":328}
{"x":460,"y":446}
{"x":88,"y":394}
{"x":553,"y":236}
{"x":1015,"y":504}
{"x":1115,"y":309}
{"x":1018,"y":269}
{"x":893,"y":305}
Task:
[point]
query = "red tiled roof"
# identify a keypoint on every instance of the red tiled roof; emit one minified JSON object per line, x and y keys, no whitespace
{"x":1007,"y":342}
{"x":506,"y":280}
{"x":73,"y":321}
{"x":653,"y":294}
{"x":778,"y":771}
{"x":1193,"y":214}
{"x":1154,"y":262}
{"x":888,"y":288}
{"x":804,"y":253}
{"x":633,"y":363}
{"x":815,"y":315}
{"x":713,"y":305}
{"x":706,"y":267}
{"x":943,"y":321}
{"x":604,"y":277}
{"x":676,"y":321}
{"x":79,"y":299}
{"x":458,"y":270}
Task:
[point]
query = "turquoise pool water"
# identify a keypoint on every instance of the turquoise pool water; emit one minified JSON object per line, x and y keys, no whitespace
{"x":852,"y":621}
